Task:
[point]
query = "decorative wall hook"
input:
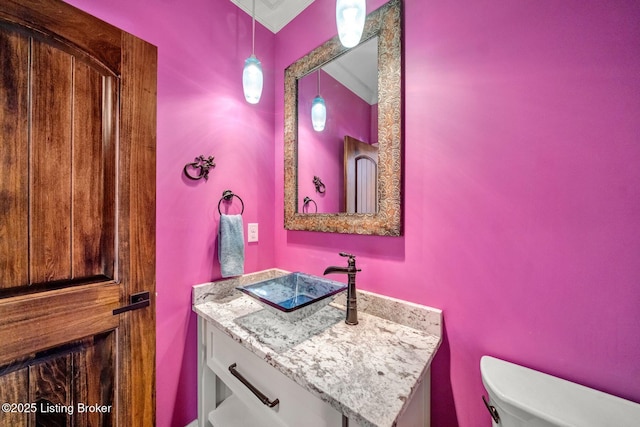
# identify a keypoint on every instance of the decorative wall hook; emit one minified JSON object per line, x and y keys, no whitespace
{"x":308,"y":200}
{"x":203,"y":165}
{"x":320,"y":188}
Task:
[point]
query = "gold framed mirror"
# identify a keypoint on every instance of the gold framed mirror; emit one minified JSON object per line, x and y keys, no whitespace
{"x":383,"y":28}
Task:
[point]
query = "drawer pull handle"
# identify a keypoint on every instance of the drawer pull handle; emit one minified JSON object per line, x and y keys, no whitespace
{"x":264,"y":399}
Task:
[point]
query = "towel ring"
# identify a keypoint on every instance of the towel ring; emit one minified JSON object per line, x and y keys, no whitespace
{"x":308,"y":200}
{"x":227,"y":195}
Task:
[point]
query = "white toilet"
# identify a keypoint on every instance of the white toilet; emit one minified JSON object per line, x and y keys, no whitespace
{"x":523,"y":397}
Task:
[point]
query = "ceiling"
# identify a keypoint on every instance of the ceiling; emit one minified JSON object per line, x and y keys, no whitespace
{"x":274,"y":14}
{"x":357,"y":70}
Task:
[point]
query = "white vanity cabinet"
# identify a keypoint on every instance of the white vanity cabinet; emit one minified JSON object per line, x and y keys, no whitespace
{"x":377,"y":373}
{"x":224,"y":399}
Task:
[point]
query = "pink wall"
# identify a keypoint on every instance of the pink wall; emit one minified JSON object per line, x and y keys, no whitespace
{"x":322,"y":153}
{"x":522,"y":214}
{"x":201,"y":110}
{"x":521,"y":179}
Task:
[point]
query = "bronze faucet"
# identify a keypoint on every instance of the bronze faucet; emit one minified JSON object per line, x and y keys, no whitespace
{"x":350,"y":270}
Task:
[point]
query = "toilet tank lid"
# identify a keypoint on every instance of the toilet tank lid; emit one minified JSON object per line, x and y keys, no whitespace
{"x":553,"y":399}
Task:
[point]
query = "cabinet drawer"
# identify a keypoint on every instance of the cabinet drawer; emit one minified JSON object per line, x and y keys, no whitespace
{"x":296,"y":406}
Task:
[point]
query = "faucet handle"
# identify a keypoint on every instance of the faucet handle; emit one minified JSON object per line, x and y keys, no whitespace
{"x":351,"y":261}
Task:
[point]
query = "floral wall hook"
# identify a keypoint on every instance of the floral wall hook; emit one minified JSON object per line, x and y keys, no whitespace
{"x":202,"y":164}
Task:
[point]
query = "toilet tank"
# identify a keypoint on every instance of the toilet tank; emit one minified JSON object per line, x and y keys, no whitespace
{"x":524,"y":397}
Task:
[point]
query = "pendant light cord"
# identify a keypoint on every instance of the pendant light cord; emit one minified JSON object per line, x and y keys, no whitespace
{"x":253,"y":28}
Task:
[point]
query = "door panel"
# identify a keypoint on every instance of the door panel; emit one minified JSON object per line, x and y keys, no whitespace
{"x":95,"y":386}
{"x":77,"y":225}
{"x":366,"y":180}
{"x":61,"y":387}
{"x":14,"y":158}
{"x":93,"y":173}
{"x":50,"y":390}
{"x":360,"y":176}
{"x":14,"y":387}
{"x":50,"y":175}
{"x":57,"y":191}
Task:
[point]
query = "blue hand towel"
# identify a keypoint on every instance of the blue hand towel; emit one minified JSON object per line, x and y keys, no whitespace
{"x":231,"y":245}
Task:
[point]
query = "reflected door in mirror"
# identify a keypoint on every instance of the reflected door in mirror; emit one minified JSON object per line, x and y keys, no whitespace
{"x":360,"y":176}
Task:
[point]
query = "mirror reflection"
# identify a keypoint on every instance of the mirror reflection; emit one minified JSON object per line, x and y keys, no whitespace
{"x":344,"y":153}
{"x":360,"y":90}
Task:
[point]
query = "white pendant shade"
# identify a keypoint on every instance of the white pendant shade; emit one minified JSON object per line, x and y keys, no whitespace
{"x":252,"y":80}
{"x":252,"y":73}
{"x":318,"y":113}
{"x":350,"y":17}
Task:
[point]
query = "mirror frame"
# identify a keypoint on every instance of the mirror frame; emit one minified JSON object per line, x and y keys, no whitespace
{"x":386,"y":24}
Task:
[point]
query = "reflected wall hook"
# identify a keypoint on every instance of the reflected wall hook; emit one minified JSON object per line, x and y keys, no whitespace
{"x":320,"y":188}
{"x":308,"y":200}
{"x":200,"y":163}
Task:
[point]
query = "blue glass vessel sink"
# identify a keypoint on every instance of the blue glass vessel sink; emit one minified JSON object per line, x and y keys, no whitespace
{"x":294,"y":296}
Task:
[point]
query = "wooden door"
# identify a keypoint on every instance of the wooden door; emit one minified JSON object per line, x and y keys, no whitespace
{"x":77,"y":219}
{"x":360,"y":176}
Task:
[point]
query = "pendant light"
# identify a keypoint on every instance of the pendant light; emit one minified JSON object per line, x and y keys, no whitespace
{"x":318,"y":110}
{"x":252,"y":73}
{"x":350,"y":17}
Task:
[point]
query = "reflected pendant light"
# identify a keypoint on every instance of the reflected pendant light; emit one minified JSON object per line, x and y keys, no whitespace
{"x":252,"y":73}
{"x":350,"y":17}
{"x":318,"y":110}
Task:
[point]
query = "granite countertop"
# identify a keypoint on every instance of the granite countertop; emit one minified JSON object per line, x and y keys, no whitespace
{"x":368,"y":372}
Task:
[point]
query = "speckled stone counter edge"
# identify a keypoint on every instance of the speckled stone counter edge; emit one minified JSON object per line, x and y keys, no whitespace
{"x":420,"y":317}
{"x":219,"y":290}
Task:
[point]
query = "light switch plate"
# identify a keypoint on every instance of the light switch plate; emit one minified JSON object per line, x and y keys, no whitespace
{"x":252,"y":232}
